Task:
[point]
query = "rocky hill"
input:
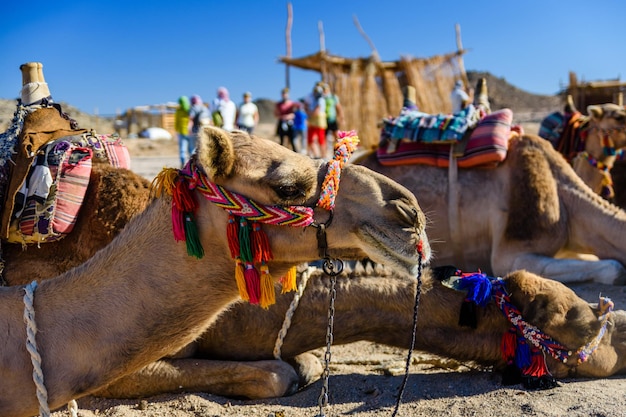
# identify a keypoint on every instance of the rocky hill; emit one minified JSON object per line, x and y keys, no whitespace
{"x":527,"y":107}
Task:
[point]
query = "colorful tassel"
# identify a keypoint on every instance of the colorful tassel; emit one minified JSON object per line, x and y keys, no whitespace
{"x":522,"y":353}
{"x":467,"y":314}
{"x":192,"y":238}
{"x":245,"y":250}
{"x":178,"y":224}
{"x":260,"y":244}
{"x":241,"y":280}
{"x":536,"y":375}
{"x":183,"y":198}
{"x":289,"y":280}
{"x":268,"y":294}
{"x":507,"y":346}
{"x":232,"y":233}
{"x":253,"y":283}
{"x":164,"y":182}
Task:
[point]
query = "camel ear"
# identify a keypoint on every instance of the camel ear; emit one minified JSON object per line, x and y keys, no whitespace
{"x":215,"y":152}
{"x":596,"y":112}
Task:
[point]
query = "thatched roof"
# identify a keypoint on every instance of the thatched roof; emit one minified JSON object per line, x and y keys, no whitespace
{"x":370,"y":89}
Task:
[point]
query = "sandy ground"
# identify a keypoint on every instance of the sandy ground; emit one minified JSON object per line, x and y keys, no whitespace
{"x":365,"y":377}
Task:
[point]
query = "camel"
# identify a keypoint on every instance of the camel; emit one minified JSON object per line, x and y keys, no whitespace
{"x":143,"y":296}
{"x":591,"y":143}
{"x":265,"y":378}
{"x":518,"y":215}
{"x":377,"y":306}
{"x":532,"y":211}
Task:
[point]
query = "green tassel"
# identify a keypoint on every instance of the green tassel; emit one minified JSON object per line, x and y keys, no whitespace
{"x":245,"y":244}
{"x":192,"y":239}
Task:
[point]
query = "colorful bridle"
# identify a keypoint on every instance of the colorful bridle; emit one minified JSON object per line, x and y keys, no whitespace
{"x":524,"y":344}
{"x":248,"y":243}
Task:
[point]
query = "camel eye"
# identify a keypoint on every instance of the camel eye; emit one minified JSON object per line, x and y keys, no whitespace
{"x":289,"y":192}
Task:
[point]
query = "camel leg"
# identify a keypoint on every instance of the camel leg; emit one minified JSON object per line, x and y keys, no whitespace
{"x":605,"y":271}
{"x":254,"y":379}
{"x":308,"y":368}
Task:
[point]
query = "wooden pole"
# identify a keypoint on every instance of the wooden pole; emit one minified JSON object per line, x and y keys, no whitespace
{"x":288,"y":41}
{"x":320,"y":29}
{"x":459,"y":47}
{"x":367,"y":39}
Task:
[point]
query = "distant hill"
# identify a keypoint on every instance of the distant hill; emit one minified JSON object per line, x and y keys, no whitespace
{"x":502,"y":94}
{"x":527,"y":107}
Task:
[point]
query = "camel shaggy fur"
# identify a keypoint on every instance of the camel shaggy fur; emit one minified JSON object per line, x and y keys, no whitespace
{"x":519,"y":215}
{"x":142,"y":297}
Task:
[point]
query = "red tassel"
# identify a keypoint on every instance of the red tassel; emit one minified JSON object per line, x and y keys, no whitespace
{"x":183,"y":198}
{"x":253,"y":283}
{"x":178,"y":224}
{"x":537,"y":367}
{"x":260,"y":244}
{"x":508,"y":345}
{"x":232,"y":232}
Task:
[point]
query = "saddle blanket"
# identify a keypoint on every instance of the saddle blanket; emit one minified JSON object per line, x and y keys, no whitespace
{"x":49,"y":199}
{"x":485,"y":144}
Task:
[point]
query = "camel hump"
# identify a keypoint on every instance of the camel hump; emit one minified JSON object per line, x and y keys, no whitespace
{"x":534,"y":206}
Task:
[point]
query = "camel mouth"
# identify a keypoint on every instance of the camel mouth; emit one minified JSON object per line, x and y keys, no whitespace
{"x":381,"y":246}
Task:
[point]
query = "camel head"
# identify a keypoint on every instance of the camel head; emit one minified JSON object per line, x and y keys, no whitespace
{"x":373,"y":216}
{"x":557,"y":311}
{"x":610,"y":120}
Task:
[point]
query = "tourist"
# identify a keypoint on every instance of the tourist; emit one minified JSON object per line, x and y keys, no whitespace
{"x":300,"y":126}
{"x":459,"y":98}
{"x":316,"y":130}
{"x":247,"y":114}
{"x":186,"y":142}
{"x":284,"y":112}
{"x":334,"y":113}
{"x":198,"y":117}
{"x":223,"y":110}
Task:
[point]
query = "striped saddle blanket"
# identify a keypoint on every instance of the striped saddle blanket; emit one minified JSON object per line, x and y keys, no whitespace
{"x":47,"y":203}
{"x":482,"y":141}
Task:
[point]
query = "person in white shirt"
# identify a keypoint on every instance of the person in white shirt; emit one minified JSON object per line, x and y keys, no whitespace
{"x":247,"y":114}
{"x":226,"y":108}
{"x":459,"y":98}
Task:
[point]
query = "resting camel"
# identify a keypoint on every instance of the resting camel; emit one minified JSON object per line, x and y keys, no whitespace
{"x":591,"y":143}
{"x":115,"y":195}
{"x":143,"y":296}
{"x":519,"y":215}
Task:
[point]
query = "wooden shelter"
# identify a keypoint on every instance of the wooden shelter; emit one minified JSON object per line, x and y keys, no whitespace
{"x":595,"y":92}
{"x":370,"y":89}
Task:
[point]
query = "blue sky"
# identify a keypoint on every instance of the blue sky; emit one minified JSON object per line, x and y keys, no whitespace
{"x":107,"y":56}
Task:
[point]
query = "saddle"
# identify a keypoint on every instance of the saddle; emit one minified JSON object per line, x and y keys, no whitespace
{"x":49,"y":173}
{"x":472,"y":138}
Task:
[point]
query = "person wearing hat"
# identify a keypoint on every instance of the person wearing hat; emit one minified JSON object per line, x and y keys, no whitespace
{"x":458,"y":97}
{"x":284,"y":112}
{"x":247,"y":114}
{"x":316,"y":132}
{"x":186,"y":142}
{"x":223,"y":110}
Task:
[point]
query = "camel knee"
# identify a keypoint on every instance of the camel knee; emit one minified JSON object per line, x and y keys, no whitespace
{"x":308,"y":368}
{"x":280,"y":379}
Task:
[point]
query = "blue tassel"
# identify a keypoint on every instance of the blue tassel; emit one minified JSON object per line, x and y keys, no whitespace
{"x":522,"y":353}
{"x":478,"y":288}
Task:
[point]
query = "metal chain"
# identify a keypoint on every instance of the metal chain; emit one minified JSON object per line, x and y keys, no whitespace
{"x":323,"y":398}
{"x":418,"y":293}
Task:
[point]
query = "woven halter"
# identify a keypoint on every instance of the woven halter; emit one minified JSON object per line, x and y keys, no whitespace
{"x":524,"y":343}
{"x":248,"y":244}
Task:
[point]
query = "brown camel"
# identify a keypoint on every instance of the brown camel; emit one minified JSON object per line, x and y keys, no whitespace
{"x":519,"y":215}
{"x":378,"y":307}
{"x":143,"y":297}
{"x":591,"y":143}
